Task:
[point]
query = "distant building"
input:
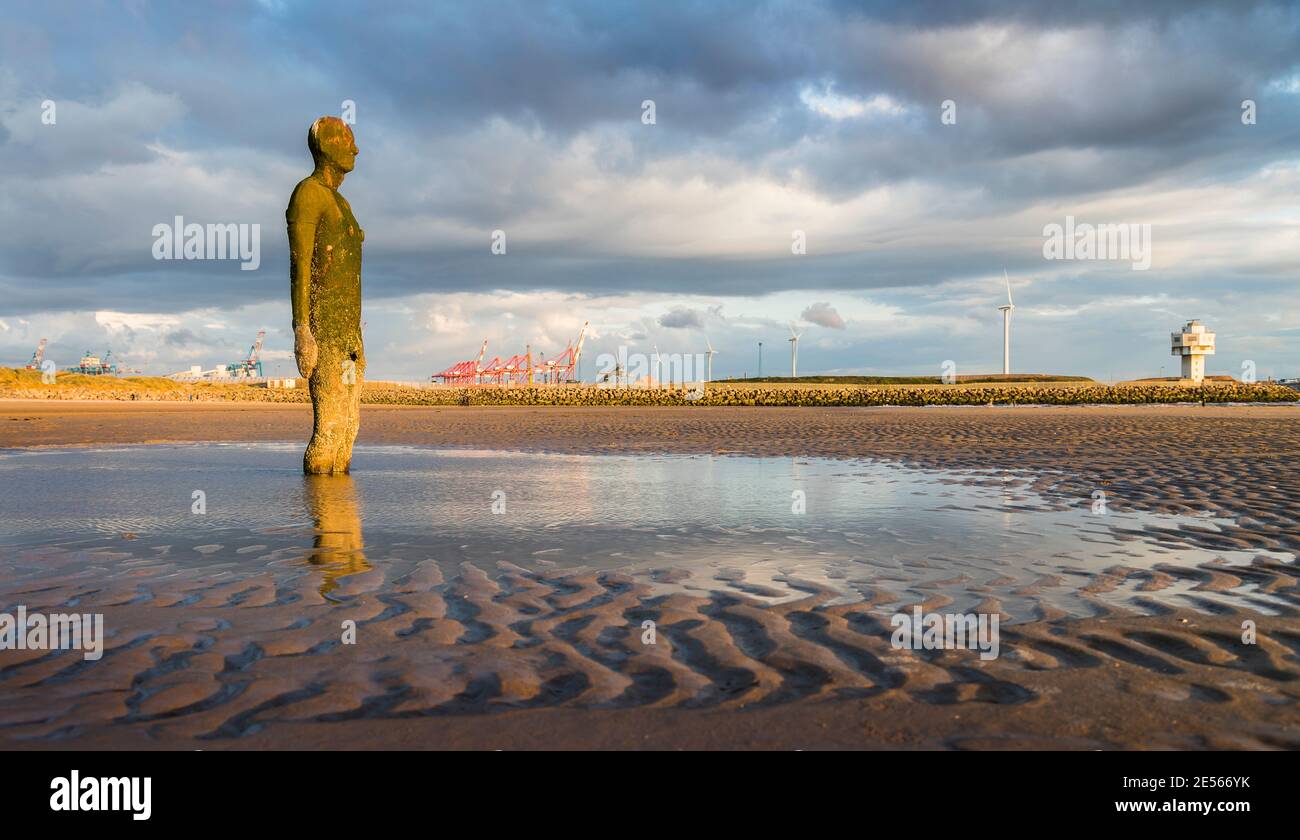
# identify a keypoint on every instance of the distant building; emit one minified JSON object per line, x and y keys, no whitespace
{"x":1193,"y":344}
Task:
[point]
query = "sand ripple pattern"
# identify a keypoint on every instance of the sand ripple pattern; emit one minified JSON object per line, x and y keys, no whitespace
{"x":197,"y":657}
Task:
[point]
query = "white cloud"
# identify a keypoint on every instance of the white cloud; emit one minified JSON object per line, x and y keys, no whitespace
{"x":824,"y":315}
{"x":1287,"y":84}
{"x":113,"y":321}
{"x":839,"y":107}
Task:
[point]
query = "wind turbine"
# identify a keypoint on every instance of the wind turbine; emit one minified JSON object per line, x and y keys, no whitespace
{"x":708,"y":359}
{"x":794,"y":352}
{"x":657,"y":382}
{"x":1006,"y":309}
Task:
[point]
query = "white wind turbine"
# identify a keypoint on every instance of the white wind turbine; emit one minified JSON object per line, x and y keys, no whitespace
{"x":794,"y":352}
{"x":657,"y":383}
{"x":1006,"y":309}
{"x":708,"y":360}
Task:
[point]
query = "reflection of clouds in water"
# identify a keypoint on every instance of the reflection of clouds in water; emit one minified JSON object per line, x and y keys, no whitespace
{"x":331,"y":502}
{"x":872,"y":531}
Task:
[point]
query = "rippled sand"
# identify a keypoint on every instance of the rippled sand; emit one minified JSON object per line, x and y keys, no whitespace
{"x":195,"y":661}
{"x":522,"y":655}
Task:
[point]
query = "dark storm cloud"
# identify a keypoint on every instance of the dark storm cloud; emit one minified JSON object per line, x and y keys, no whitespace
{"x":180,"y":338}
{"x":1056,"y":102}
{"x":681,"y":319}
{"x":1043,"y":12}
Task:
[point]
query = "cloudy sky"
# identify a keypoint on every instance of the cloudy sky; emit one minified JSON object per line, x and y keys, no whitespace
{"x":772,"y":122}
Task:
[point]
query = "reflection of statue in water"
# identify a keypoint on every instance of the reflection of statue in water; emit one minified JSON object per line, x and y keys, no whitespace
{"x":332,"y":504}
{"x":325,"y":284}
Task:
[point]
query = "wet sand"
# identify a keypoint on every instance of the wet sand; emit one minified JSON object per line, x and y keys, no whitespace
{"x":532,"y":659}
{"x":1235,"y":461}
{"x":1002,"y":435}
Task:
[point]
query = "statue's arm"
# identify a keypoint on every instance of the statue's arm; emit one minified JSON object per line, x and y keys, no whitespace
{"x":302,"y":242}
{"x":302,"y":217}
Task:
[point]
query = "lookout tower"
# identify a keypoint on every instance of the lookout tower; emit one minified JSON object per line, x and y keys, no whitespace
{"x":1193,"y":344}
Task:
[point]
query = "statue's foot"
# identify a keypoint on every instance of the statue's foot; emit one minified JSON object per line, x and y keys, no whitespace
{"x":321,"y":461}
{"x":318,"y":463}
{"x":324,"y":469}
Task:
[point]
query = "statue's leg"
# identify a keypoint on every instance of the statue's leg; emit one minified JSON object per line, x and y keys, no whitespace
{"x":335,"y":396}
{"x":352,"y":407}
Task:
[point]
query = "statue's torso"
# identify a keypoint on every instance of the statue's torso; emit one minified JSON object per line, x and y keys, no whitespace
{"x":335,"y":267}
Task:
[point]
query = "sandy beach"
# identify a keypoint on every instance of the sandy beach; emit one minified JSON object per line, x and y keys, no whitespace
{"x":529,"y":658}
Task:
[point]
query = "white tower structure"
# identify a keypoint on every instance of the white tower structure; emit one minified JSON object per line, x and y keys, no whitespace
{"x":794,"y":352}
{"x":1193,"y":344}
{"x":1006,"y":309}
{"x":708,"y":360}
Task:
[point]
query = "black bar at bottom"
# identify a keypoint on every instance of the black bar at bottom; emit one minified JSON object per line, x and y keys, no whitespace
{"x":232,"y":789}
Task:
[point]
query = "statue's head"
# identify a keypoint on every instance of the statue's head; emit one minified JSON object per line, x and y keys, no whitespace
{"x":331,"y":143}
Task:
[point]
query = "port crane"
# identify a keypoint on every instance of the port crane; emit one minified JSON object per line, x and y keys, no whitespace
{"x":37,"y":356}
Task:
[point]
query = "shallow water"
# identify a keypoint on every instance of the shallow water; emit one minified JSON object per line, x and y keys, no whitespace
{"x":867,"y":531}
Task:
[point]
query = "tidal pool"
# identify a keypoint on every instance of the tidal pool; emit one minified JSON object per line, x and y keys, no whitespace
{"x":767,"y":528}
